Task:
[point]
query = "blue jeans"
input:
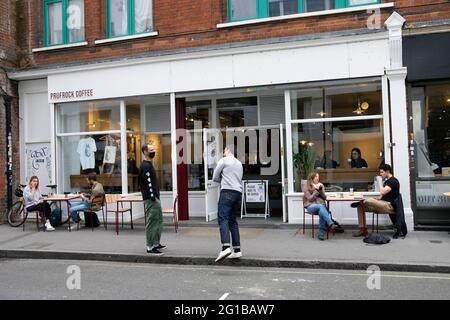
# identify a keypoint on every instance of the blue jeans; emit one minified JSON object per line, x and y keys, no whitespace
{"x":229,"y":201}
{"x":324,"y":216}
{"x":75,"y":207}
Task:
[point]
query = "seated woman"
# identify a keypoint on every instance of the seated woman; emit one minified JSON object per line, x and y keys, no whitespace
{"x":356,"y":160}
{"x":33,"y":202}
{"x":314,"y":202}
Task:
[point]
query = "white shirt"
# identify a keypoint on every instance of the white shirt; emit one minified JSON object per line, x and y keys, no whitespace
{"x":86,"y":149}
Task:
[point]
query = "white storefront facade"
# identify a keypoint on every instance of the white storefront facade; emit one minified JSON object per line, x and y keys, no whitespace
{"x":270,"y":85}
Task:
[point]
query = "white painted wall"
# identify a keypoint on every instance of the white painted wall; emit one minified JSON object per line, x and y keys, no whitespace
{"x":34,"y":112}
{"x":275,"y":64}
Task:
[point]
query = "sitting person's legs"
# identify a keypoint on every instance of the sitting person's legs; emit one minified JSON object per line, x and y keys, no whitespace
{"x":76,"y":207}
{"x":324,"y":217}
{"x":370,"y":205}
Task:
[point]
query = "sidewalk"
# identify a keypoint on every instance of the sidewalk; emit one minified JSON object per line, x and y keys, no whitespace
{"x":421,"y":251}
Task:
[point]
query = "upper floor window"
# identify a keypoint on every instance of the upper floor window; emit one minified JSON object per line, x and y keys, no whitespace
{"x":127,"y":17}
{"x":254,"y":9}
{"x":63,"y":21}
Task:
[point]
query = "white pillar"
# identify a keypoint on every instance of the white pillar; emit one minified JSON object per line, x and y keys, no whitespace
{"x":123,"y":146}
{"x":396,"y":74}
{"x":52,"y":143}
{"x":173,"y":137}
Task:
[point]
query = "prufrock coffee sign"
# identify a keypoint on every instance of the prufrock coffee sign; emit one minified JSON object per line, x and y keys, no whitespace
{"x":71,"y":95}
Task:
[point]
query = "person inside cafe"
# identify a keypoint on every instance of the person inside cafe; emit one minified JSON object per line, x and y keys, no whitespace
{"x":33,"y":201}
{"x":356,"y":160}
{"x":389,"y":192}
{"x":85,"y":204}
{"x":327,"y":162}
{"x":314,"y":201}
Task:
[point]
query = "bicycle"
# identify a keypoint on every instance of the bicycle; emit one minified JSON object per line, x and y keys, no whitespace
{"x":17,"y":214}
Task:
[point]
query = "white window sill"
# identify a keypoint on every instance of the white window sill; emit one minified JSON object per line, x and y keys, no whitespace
{"x":306,"y":14}
{"x":135,"y":36}
{"x":62,"y":46}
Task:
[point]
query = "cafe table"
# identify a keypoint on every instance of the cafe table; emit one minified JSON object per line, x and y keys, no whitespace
{"x":342,"y":197}
{"x":63,"y":198}
{"x":130,"y":199}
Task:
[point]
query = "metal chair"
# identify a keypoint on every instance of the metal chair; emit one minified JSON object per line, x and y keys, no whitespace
{"x":172,"y":211}
{"x":39,"y":217}
{"x":377,"y":213}
{"x":112,"y":199}
{"x":305,"y":211}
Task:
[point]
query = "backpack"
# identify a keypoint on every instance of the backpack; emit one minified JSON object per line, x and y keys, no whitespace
{"x":87,"y":219}
{"x":376,"y":238}
{"x":56,"y":217}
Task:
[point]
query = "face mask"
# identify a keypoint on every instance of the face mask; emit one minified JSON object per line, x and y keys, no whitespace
{"x":151,"y":155}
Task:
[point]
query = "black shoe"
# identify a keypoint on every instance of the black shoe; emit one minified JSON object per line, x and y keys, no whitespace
{"x":355,"y":204}
{"x":154,"y":252}
{"x":321,"y":237}
{"x":161,"y":247}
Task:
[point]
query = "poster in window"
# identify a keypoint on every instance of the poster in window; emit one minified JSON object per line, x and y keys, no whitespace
{"x":110,"y":155}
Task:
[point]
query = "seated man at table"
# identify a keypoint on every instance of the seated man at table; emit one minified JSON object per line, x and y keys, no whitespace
{"x":389,"y":190}
{"x":85,"y":204}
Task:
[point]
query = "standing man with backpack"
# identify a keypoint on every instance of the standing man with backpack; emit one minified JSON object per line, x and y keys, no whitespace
{"x":229,"y":173}
{"x":150,"y":194}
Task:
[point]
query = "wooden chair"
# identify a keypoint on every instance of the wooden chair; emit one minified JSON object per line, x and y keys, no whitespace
{"x":98,"y":200}
{"x":173,"y":212}
{"x":112,"y":200}
{"x":305,"y":211}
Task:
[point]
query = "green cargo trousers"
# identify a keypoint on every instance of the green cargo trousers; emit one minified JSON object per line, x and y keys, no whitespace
{"x":154,"y":225}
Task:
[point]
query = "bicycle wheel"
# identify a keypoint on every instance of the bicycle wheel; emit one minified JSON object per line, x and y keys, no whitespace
{"x":17,"y":214}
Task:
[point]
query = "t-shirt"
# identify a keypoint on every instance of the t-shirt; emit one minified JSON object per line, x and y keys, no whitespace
{"x":395,"y":190}
{"x":86,"y":149}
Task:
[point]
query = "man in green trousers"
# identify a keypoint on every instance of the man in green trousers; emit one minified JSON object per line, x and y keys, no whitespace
{"x":148,"y":183}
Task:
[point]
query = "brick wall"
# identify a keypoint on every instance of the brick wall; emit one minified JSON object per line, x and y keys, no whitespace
{"x":187,"y":23}
{"x":8,"y":58}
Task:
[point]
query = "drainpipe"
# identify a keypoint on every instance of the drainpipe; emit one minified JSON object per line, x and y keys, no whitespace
{"x":9,"y":155}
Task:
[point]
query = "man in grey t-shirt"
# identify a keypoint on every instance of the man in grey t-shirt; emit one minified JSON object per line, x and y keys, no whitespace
{"x":228,"y":173}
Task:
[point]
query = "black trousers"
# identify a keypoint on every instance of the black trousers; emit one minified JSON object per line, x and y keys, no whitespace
{"x":43,"y":207}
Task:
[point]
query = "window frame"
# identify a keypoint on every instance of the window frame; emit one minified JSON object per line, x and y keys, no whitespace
{"x":64,"y":16}
{"x":262,"y":8}
{"x":130,"y":20}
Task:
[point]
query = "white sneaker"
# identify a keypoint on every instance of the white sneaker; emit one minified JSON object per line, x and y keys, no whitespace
{"x":72,"y":227}
{"x":223,"y":254}
{"x":235,"y":255}
{"x":49,"y":227}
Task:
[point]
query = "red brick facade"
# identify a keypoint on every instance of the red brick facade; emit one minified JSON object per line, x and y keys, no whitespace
{"x":187,"y":23}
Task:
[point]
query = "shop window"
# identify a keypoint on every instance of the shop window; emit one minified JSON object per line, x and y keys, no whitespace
{"x":88,"y":116}
{"x":337,"y":101}
{"x":198,"y":117}
{"x":128,"y":17}
{"x":431,"y":124}
{"x":237,"y":112}
{"x":344,"y":146}
{"x":80,"y":155}
{"x":148,"y":121}
{"x":63,"y":21}
{"x":252,"y":9}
